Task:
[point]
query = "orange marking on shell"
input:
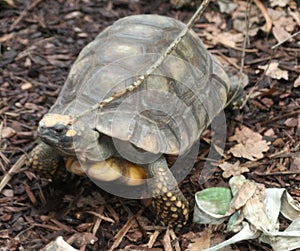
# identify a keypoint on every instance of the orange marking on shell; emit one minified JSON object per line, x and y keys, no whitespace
{"x":51,"y":119}
{"x":70,"y":133}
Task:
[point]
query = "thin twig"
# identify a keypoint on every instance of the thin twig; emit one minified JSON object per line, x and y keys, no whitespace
{"x":152,"y":68}
{"x":153,"y":238}
{"x":280,"y":43}
{"x":120,"y":235}
{"x":24,"y":13}
{"x":101,"y":216}
{"x":265,"y":14}
{"x":246,"y":40}
{"x":14,"y":169}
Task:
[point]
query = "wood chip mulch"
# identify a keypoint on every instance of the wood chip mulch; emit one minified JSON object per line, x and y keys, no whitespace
{"x":39,"y":41}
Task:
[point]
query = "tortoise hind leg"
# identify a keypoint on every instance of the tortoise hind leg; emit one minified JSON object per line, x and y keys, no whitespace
{"x":170,"y":204}
{"x":45,"y":160}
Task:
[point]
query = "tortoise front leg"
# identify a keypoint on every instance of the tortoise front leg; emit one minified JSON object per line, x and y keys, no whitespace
{"x":45,"y":160}
{"x":169,"y":202}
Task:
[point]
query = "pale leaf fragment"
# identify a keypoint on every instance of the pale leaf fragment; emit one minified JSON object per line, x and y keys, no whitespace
{"x":227,"y":39}
{"x":254,"y":21}
{"x":274,"y":14}
{"x":245,"y":192}
{"x":270,"y":133}
{"x":280,"y":3}
{"x":7,"y":132}
{"x":255,"y":212}
{"x":250,"y":150}
{"x":59,"y":245}
{"x":295,"y":15}
{"x":273,"y":71}
{"x":232,"y":169}
{"x":26,"y":86}
{"x":240,"y":26}
{"x":259,"y":216}
{"x":227,"y":6}
{"x":287,"y":23}
{"x":280,"y":34}
{"x":297,"y":82}
{"x":250,"y":144}
{"x":200,"y":241}
{"x":245,"y":134}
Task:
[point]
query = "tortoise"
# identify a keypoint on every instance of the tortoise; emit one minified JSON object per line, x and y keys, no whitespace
{"x":132,"y":136}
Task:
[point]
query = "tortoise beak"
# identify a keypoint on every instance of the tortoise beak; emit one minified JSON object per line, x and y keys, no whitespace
{"x":45,"y":134}
{"x":54,"y":135}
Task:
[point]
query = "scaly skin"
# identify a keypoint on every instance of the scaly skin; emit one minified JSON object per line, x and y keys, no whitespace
{"x":171,"y":206}
{"x":46,"y":161}
{"x":168,"y":201}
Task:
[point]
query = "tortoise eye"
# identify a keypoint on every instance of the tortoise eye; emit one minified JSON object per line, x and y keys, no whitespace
{"x":59,"y":128}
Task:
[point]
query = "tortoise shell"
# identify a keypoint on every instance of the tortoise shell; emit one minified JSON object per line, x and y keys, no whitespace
{"x":168,"y":112}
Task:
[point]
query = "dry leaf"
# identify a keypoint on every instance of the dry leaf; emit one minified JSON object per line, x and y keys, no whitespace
{"x":274,"y":14}
{"x":283,"y":26}
{"x":214,"y":17}
{"x":255,"y":212}
{"x":280,"y":3}
{"x":228,"y":39}
{"x":287,"y":23}
{"x":250,"y":150}
{"x":200,"y":241}
{"x":245,"y":134}
{"x":232,"y":169}
{"x":227,"y":6}
{"x":295,"y":15}
{"x":280,"y":34}
{"x":245,"y":192}
{"x":273,"y":71}
{"x":255,"y":20}
{"x":240,"y":26}
{"x":250,"y":144}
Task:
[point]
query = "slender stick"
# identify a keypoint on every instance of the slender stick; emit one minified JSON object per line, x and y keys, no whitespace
{"x":152,"y":68}
{"x":283,"y":41}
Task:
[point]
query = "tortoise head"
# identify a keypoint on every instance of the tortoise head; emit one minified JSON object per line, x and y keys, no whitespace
{"x":72,"y":138}
{"x":57,"y":131}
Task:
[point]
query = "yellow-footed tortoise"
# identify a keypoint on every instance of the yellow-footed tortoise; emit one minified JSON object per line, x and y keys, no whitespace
{"x":164,"y":116}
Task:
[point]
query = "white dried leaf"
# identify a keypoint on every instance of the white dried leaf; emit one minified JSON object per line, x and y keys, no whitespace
{"x":273,"y":71}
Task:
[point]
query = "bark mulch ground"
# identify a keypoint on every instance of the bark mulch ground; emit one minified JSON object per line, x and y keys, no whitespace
{"x":39,"y":41}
